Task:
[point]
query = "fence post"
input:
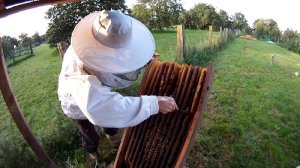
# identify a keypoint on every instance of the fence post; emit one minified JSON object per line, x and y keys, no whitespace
{"x":210,"y":37}
{"x":220,"y":38}
{"x":62,"y":48}
{"x":181,"y":40}
{"x":273,"y":58}
{"x":226,"y":35}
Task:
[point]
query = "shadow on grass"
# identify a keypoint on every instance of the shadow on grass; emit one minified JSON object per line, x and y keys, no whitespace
{"x":19,"y":60}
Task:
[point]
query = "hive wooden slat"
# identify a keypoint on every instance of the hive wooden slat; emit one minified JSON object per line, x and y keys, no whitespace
{"x":170,"y":91}
{"x":167,"y":80}
{"x":183,"y":90}
{"x":196,"y":98}
{"x":187,"y":102}
{"x":148,"y":76}
{"x":180,"y":82}
{"x":157,"y":80}
{"x":165,"y":140}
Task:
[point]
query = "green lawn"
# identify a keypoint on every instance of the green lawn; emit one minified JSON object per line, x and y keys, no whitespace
{"x":34,"y":81}
{"x":253,"y":112}
{"x":166,"y":43}
{"x":252,"y":119}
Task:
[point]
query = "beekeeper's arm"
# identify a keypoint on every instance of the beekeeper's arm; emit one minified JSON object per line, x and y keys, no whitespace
{"x":110,"y":109}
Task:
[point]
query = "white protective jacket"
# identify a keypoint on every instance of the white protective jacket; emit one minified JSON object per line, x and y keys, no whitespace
{"x":83,"y":96}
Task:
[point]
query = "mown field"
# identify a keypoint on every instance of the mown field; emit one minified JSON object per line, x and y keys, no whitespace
{"x":252,"y":119}
{"x":253,"y":114}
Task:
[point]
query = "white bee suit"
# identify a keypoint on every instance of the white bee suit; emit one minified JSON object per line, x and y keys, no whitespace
{"x":83,"y":96}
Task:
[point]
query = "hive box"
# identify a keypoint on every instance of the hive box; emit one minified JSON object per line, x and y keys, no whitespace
{"x":164,"y":140}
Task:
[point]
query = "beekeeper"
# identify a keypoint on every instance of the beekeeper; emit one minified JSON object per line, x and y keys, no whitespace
{"x":108,"y":50}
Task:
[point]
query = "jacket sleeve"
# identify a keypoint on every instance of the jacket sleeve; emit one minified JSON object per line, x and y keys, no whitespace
{"x":106,"y":108}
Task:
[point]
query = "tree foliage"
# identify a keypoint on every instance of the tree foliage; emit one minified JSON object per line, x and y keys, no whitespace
{"x":224,"y":20}
{"x":157,"y":14}
{"x":64,"y":17}
{"x":37,"y":39}
{"x":266,"y":29}
{"x":26,"y":41}
{"x":204,"y":15}
{"x":290,"y":39}
{"x":290,"y":35}
{"x":239,"y":22}
{"x":8,"y":44}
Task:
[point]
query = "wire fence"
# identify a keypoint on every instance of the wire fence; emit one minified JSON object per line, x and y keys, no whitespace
{"x":168,"y":48}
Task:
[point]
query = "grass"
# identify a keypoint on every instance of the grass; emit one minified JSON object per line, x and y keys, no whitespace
{"x":34,"y":81}
{"x":252,"y":119}
{"x":166,"y":42}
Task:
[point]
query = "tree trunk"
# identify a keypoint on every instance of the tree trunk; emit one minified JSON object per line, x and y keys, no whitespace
{"x":13,"y":55}
{"x":31,"y":50}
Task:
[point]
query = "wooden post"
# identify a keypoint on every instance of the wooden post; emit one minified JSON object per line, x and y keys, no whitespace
{"x":220,"y":38}
{"x":62,"y":48}
{"x":226,"y":35}
{"x":210,"y":37}
{"x":272,"y":61}
{"x":17,"y":115}
{"x":181,"y":40}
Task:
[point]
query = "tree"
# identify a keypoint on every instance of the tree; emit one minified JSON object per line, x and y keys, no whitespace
{"x":140,"y":12}
{"x":204,"y":15}
{"x":290,"y":35}
{"x":266,"y":29}
{"x":37,"y":39}
{"x":290,"y":39}
{"x":64,"y":17}
{"x":8,"y":45}
{"x":258,"y":26}
{"x":26,"y":41}
{"x":223,"y":19}
{"x":239,"y":22}
{"x":274,"y":32}
{"x":158,"y":14}
{"x":187,"y":19}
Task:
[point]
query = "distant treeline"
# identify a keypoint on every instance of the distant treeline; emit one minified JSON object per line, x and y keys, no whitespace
{"x":163,"y":15}
{"x":13,"y":47}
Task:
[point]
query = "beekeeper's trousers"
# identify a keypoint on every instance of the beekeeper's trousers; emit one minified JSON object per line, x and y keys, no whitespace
{"x":89,"y":136}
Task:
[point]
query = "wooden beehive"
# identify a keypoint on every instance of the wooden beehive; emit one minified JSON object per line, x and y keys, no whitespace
{"x":165,"y":140}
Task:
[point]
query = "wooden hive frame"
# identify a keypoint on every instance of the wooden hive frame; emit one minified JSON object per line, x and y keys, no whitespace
{"x":147,"y":144}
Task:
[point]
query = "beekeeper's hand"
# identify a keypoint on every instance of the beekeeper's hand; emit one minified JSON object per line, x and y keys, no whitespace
{"x":166,"y":104}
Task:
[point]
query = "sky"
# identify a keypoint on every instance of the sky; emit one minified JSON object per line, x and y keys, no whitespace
{"x":28,"y":21}
{"x":285,"y":13}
